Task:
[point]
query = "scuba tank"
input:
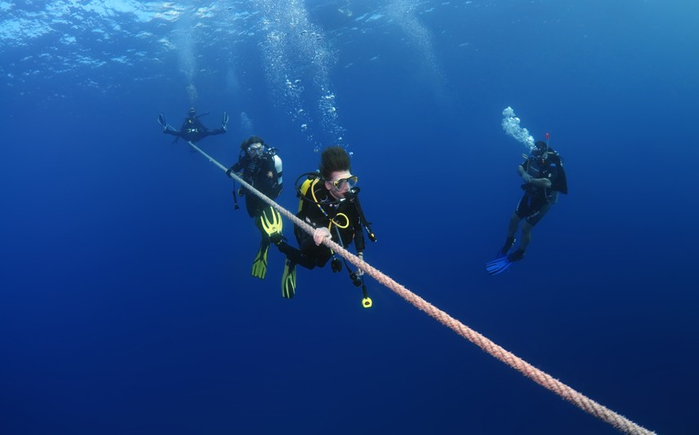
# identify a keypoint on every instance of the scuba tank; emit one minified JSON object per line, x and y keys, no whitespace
{"x":271,"y":153}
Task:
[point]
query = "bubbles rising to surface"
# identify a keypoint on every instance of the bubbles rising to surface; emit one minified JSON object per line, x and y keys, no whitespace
{"x":298,"y":62}
{"x":246,"y":124}
{"x":510,"y":123}
{"x":403,"y":13}
{"x":192,"y":93}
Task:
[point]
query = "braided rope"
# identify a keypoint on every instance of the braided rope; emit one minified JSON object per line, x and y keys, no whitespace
{"x":545,"y":380}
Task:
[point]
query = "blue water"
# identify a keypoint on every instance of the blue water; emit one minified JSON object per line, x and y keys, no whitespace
{"x":126,"y":301}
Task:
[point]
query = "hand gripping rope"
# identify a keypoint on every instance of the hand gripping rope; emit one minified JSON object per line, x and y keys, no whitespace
{"x":583,"y":402}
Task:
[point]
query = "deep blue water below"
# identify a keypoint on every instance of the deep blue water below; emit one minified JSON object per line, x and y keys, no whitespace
{"x":126,"y":301}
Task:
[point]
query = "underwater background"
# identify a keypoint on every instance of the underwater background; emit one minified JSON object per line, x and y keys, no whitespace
{"x":126,"y":301}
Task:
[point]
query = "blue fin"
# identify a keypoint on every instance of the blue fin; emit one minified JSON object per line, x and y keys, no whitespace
{"x":498,"y":266}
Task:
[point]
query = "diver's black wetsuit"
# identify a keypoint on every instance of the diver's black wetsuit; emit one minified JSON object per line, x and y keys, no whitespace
{"x":343,"y":212}
{"x":536,"y":200}
{"x":193,"y":130}
{"x":256,"y":172}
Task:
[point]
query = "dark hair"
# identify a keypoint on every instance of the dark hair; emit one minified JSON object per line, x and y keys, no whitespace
{"x":249,"y":141}
{"x":541,"y":145}
{"x":333,"y":159}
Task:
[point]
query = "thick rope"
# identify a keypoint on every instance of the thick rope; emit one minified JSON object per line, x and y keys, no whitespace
{"x":586,"y":404}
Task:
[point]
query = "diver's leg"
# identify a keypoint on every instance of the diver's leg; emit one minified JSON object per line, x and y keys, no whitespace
{"x":523,"y":243}
{"x":526,"y":235}
{"x":511,"y":231}
{"x":295,"y":256}
{"x":523,"y":210}
{"x":531,"y":220}
{"x":512,"y":227}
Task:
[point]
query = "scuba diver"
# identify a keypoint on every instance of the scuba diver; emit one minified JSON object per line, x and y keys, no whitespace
{"x":329,"y":202}
{"x":261,"y":167}
{"x":192,"y":129}
{"x":544,"y":178}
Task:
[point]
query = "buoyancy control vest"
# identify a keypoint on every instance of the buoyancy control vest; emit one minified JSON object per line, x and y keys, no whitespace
{"x":268,"y":160}
{"x":538,"y":168}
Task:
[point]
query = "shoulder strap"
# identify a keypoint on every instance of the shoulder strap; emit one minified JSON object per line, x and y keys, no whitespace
{"x":303,"y":190}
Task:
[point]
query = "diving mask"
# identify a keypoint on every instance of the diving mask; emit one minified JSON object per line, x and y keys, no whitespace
{"x":540,"y":149}
{"x":256,"y":150}
{"x":350,"y":182}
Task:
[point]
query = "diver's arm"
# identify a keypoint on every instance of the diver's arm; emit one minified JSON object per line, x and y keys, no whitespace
{"x":521,"y":172}
{"x":240,"y":165}
{"x":547,"y":180}
{"x":266,"y":179}
{"x":543,"y":183}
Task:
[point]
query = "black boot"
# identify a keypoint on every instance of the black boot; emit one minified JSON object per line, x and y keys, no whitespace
{"x":516,"y":256}
{"x":509,"y":243}
{"x":276,"y":238}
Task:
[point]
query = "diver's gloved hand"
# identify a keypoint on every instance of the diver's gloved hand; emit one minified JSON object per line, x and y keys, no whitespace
{"x":229,"y":172}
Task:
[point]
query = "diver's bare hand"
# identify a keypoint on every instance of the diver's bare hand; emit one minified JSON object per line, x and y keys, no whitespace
{"x":319,"y":234}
